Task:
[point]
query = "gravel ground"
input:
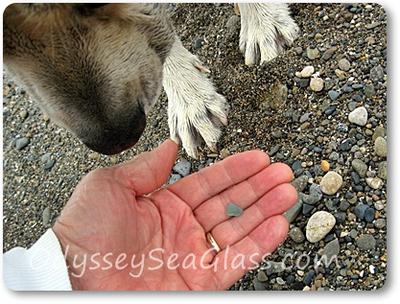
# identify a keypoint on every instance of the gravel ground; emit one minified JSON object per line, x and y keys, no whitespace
{"x":304,"y":123}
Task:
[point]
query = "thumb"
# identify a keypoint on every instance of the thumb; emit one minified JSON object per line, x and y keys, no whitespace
{"x":148,"y":171}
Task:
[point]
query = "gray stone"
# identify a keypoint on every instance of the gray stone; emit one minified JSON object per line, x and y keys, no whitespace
{"x":21,"y":143}
{"x":261,"y":276}
{"x":329,"y":53}
{"x":344,"y":64}
{"x":233,"y":210}
{"x":314,"y":197}
{"x":319,"y":225}
{"x":359,"y":116}
{"x":360,"y":167}
{"x":316,"y":84}
{"x":369,"y":90}
{"x":331,"y":249}
{"x":377,"y":73}
{"x":296,"y":235}
{"x":300,"y":183}
{"x":174,"y":178}
{"x":293,"y":212}
{"x":333,"y":95}
{"x":380,"y":147}
{"x":274,"y":267}
{"x":359,"y":210}
{"x":47,"y":161}
{"x":46,"y":216}
{"x":369,"y":215}
{"x":331,"y":183}
{"x":366,"y":242}
{"x":182,"y":167}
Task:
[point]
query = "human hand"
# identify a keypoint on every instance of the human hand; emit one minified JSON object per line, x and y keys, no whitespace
{"x":120,"y":214}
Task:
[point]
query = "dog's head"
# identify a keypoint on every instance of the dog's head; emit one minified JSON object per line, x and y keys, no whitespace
{"x":95,"y":69}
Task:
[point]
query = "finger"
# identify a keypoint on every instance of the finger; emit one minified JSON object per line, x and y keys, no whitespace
{"x":206,"y":183}
{"x":150,"y":170}
{"x":275,"y":202}
{"x":213,"y":211}
{"x":233,"y":262}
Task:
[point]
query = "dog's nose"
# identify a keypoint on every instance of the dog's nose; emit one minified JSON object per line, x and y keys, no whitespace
{"x":117,"y":137}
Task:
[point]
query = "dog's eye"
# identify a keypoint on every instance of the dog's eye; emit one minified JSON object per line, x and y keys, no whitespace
{"x":88,"y":8}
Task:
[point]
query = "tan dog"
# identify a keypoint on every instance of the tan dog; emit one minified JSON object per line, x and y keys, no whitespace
{"x":97,"y":69}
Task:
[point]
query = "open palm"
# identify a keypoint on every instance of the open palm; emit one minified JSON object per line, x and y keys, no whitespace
{"x":121,"y":231}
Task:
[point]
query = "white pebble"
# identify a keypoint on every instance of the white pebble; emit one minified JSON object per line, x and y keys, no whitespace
{"x":359,"y":116}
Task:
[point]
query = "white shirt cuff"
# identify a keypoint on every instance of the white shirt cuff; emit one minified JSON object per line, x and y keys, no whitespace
{"x":41,"y":267}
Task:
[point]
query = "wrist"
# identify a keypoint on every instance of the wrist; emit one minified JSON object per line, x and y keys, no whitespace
{"x":66,"y":248}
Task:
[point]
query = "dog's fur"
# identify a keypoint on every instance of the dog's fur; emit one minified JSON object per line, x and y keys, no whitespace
{"x":97,"y":69}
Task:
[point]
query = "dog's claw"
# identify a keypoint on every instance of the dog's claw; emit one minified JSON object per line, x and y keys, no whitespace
{"x":267,"y":28}
{"x":196,"y":111}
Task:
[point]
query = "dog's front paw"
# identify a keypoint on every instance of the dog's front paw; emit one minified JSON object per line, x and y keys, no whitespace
{"x":196,"y":112}
{"x":266,"y":29}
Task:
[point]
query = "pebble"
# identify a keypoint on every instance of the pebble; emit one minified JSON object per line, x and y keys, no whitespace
{"x":329,"y":53}
{"x":380,"y":223}
{"x":174,"y":178}
{"x":374,"y":182}
{"x":382,"y":170}
{"x":312,"y":53}
{"x":369,"y":215}
{"x":293,"y":212}
{"x":296,"y":235}
{"x":376,"y":73}
{"x":340,"y":74}
{"x":182,"y":167}
{"x":280,"y":281}
{"x":23,"y":114}
{"x":366,"y":242}
{"x":369,"y":90}
{"x":380,"y":147}
{"x":300,"y":183}
{"x":94,"y":156}
{"x":319,"y":225}
{"x":333,"y":95}
{"x":359,"y":166}
{"x":359,"y":116}
{"x":314,"y":197}
{"x":359,"y":210}
{"x":307,"y":71}
{"x":316,"y":84}
{"x":379,"y":132}
{"x":331,"y":249}
{"x":344,"y":64}
{"x":261,"y":276}
{"x":21,"y":143}
{"x":46,"y":216}
{"x":224,"y":153}
{"x":47,"y":161}
{"x":309,"y":277}
{"x":233,"y":210}
{"x":331,"y":183}
{"x":325,"y":165}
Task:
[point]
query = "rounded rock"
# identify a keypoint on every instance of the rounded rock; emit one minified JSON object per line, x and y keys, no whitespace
{"x":307,"y":71}
{"x":359,"y":166}
{"x":325,"y":165}
{"x":316,"y":84}
{"x":296,"y":235}
{"x":319,"y":225}
{"x":374,"y":182}
{"x":344,"y":64}
{"x":331,"y":183}
{"x":380,"y":147}
{"x":359,"y":116}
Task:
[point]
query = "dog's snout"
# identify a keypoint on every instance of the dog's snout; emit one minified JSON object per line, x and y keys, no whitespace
{"x":117,"y":137}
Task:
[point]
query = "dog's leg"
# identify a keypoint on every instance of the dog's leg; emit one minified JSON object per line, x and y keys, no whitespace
{"x":266,"y":29}
{"x":195,"y":110}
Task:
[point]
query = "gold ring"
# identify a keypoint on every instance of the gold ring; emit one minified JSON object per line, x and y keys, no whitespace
{"x":213,"y":242}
